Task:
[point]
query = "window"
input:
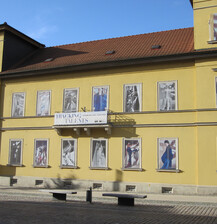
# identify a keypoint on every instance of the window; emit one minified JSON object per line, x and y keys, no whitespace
{"x":69,"y":153}
{"x":70,"y":100}
{"x":213,"y":27}
{"x":167,"y":95}
{"x":132,"y":98}
{"x":18,"y":104}
{"x":41,"y":153}
{"x":131,"y":153}
{"x":98,"y":153}
{"x":15,"y":152}
{"x":43,"y":103}
{"x":167,"y":154}
{"x":100,"y":98}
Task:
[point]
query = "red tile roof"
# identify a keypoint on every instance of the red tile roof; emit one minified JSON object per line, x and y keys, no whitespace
{"x":172,"y":42}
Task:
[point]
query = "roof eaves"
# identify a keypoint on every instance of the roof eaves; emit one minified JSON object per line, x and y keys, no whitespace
{"x":6,"y":27}
{"x":109,"y":64}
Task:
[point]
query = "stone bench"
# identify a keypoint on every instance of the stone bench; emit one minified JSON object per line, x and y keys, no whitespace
{"x":59,"y":194}
{"x":125,"y":199}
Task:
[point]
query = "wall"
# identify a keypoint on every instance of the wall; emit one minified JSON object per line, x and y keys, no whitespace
{"x":202,"y":12}
{"x":115,"y":78}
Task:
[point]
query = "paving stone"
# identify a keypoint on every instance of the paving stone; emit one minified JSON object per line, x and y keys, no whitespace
{"x":20,"y":206}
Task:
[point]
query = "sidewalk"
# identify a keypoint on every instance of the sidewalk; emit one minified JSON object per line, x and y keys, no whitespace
{"x":26,"y":205}
{"x":34,"y":194}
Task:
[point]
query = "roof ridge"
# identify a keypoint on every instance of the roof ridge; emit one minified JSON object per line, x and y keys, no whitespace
{"x":164,"y":31}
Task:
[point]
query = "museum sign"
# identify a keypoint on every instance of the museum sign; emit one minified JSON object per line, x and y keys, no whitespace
{"x":80,"y":118}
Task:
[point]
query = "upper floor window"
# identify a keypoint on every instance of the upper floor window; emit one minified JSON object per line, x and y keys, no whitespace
{"x":132,"y":97}
{"x":18,"y":104}
{"x":43,"y":103}
{"x":213,"y":27}
{"x":70,"y":100}
{"x":167,"y":95}
{"x":100,"y":98}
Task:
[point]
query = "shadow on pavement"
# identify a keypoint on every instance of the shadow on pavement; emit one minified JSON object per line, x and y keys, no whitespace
{"x":82,"y":213}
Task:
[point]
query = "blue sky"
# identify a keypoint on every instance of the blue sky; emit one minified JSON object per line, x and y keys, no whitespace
{"x":58,"y":22}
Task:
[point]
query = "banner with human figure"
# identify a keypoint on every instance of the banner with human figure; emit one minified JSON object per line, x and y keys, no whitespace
{"x":167,"y":95}
{"x":100,"y":98}
{"x":15,"y":153}
{"x":168,"y":153}
{"x":132,"y":98}
{"x":41,"y":153}
{"x":18,"y":104}
{"x":98,"y":153}
{"x":68,"y":153}
{"x":132,"y":154}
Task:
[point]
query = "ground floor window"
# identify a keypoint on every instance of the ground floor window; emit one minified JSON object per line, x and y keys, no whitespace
{"x":41,"y":153}
{"x":68,"y":153}
{"x":15,"y":152}
{"x":98,"y":153}
{"x":131,"y":153}
{"x":168,"y":154}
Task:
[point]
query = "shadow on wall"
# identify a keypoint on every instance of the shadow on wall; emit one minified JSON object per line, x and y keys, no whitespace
{"x":7,"y":171}
{"x":6,"y":175}
{"x":124,"y":123}
{"x":118,"y":180}
{"x":66,"y":183}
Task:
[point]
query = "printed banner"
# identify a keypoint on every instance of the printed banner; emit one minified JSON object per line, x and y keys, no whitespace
{"x":80,"y":118}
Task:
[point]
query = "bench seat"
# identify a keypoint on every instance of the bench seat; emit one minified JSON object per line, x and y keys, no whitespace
{"x":59,"y":194}
{"x":125,"y":199}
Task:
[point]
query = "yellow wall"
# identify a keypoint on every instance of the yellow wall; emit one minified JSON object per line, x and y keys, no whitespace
{"x":149,"y":137}
{"x":205,"y":94}
{"x":205,"y":82}
{"x":115,"y":79}
{"x":148,"y":76}
{"x":202,"y":11}
{"x":1,"y":49}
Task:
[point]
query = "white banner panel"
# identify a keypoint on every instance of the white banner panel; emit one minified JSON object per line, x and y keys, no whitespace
{"x":80,"y":118}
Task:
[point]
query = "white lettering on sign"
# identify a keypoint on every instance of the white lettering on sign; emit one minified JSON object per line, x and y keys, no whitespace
{"x":80,"y":118}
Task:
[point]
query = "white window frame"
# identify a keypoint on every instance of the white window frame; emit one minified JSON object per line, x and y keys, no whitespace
{"x":37,"y":104}
{"x":77,"y":95}
{"x":124,"y":149}
{"x":211,"y":29}
{"x":170,"y":139}
{"x":91,"y":153}
{"x":75,"y":153}
{"x":47,"y":145}
{"x":176,"y":94}
{"x":97,"y":87}
{"x":139,"y":85}
{"x":13,"y":107}
{"x":21,"y":152}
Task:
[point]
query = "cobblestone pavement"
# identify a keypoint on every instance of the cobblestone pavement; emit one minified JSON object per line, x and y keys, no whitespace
{"x":41,"y":209}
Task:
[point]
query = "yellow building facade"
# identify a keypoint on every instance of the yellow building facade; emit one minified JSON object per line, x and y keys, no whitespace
{"x":144,"y":125}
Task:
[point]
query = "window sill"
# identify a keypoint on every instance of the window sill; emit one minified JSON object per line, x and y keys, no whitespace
{"x":212,"y":42}
{"x":98,"y":168}
{"x":132,"y":169}
{"x":15,"y":165}
{"x":34,"y":166}
{"x":68,"y":167}
{"x":169,"y":170}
